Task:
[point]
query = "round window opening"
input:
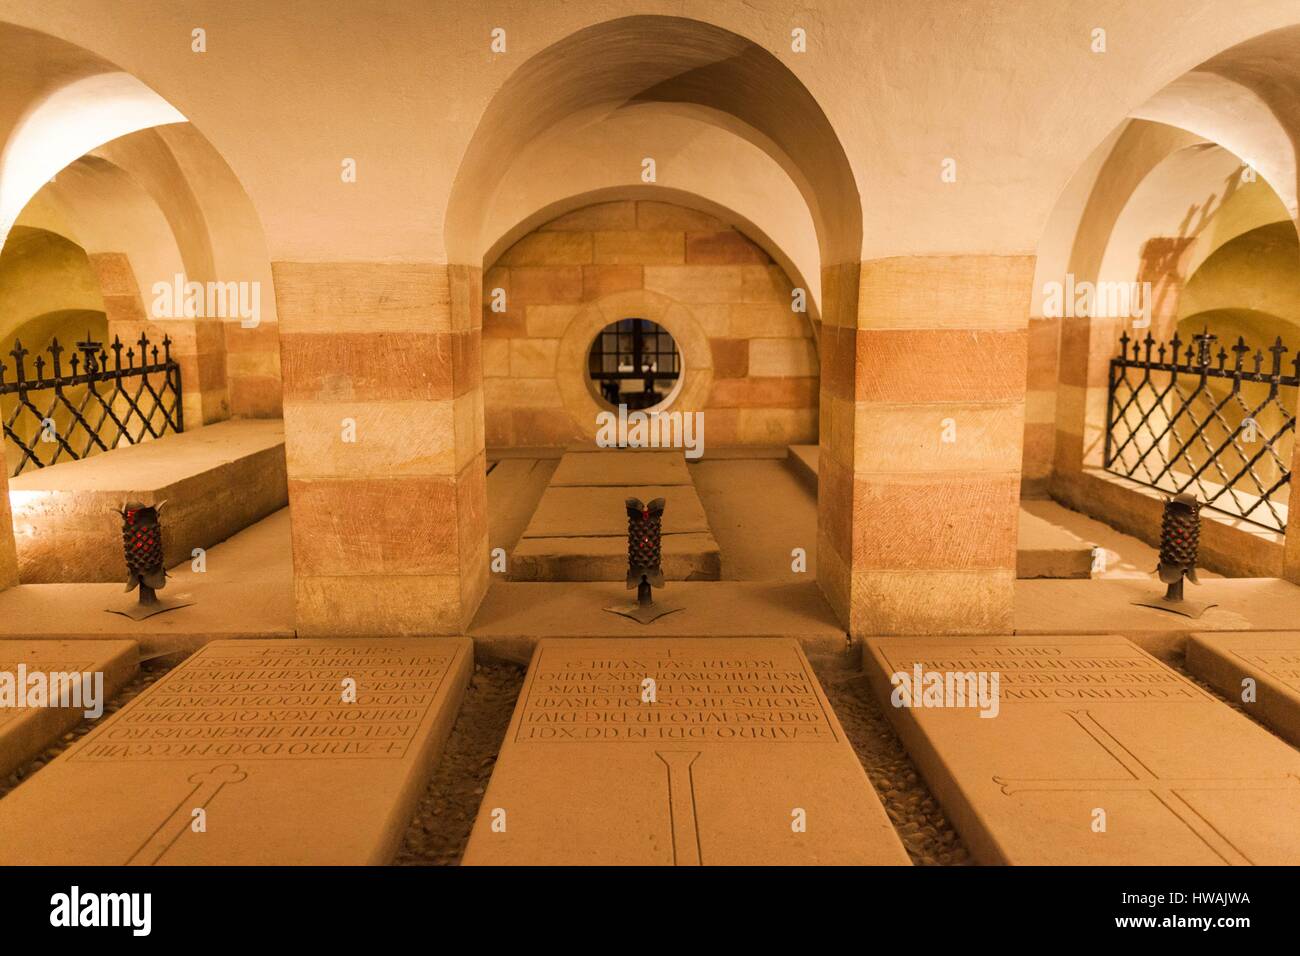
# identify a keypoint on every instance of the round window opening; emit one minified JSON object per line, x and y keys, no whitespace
{"x":634,"y":362}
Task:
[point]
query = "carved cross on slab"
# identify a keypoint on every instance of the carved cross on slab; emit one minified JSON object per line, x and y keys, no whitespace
{"x":206,"y":786}
{"x":681,"y":805}
{"x":1167,"y":791}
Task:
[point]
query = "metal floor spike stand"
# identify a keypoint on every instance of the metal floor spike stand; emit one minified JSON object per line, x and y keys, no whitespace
{"x":1180,"y":537}
{"x":143,"y":550}
{"x":644,"y":541}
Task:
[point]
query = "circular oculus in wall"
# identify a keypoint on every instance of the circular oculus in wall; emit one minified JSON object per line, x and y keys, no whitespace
{"x":634,"y":362}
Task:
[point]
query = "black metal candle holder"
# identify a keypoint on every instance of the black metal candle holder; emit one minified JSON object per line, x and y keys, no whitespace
{"x":644,"y":552}
{"x":142,"y":547}
{"x":1180,"y":540}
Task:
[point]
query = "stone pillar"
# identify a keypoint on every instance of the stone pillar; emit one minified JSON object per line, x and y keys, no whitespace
{"x":383,"y":410}
{"x":1043,"y":340}
{"x":1087,"y":346}
{"x":198,"y":344}
{"x":938,"y":419}
{"x":253,"y":369}
{"x":837,"y":346}
{"x":8,"y":549}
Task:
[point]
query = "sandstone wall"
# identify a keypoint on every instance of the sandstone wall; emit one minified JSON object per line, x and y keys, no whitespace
{"x":750,"y":360}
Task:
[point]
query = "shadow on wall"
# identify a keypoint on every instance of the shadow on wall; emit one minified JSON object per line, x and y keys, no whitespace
{"x":69,"y":327}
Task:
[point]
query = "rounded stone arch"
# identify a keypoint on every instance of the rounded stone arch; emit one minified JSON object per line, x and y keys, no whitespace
{"x":1238,"y":95}
{"x":638,"y":60}
{"x":1254,"y":275}
{"x":42,"y":272}
{"x":1208,"y":158}
{"x":67,"y":113}
{"x":688,"y":83}
{"x":674,"y":317}
{"x":108,"y":213}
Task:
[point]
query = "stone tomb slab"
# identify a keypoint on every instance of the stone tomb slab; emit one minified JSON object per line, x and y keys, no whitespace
{"x":1091,"y":725}
{"x":256,"y":733}
{"x":1271,"y":658}
{"x":571,"y":512}
{"x":621,"y":468}
{"x":26,"y":731}
{"x":739,"y":737}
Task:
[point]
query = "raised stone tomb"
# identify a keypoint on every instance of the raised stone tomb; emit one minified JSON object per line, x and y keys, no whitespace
{"x":1270,"y":658}
{"x":1098,"y":753}
{"x":579,"y":530}
{"x":735,"y":747}
{"x":27,"y":730}
{"x":258,"y":736}
{"x":216,"y":481}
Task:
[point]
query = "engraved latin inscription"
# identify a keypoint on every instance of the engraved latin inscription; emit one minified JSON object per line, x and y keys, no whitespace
{"x":1282,"y":664}
{"x":277,"y":702}
{"x":696,"y":698}
{"x":1053,"y":673}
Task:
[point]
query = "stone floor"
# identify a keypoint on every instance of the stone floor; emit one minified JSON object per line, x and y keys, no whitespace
{"x":454,"y":790}
{"x":246,"y":591}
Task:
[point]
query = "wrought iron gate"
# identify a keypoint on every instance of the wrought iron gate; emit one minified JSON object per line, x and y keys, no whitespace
{"x":92,"y":405}
{"x":1217,"y":424}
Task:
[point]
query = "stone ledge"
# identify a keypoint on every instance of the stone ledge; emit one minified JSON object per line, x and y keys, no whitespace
{"x":515,"y":615}
{"x":1230,"y":547}
{"x":1105,"y":605}
{"x":1044,"y":550}
{"x":685,"y":557}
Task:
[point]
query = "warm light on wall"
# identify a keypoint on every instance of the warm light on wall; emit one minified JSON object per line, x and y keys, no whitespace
{"x":66,"y":125}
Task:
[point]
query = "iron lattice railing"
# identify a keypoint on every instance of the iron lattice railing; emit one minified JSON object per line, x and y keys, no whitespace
{"x":92,"y":405}
{"x":1194,"y":421}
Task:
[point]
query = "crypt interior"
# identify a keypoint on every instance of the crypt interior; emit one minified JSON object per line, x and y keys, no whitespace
{"x":955,"y":320}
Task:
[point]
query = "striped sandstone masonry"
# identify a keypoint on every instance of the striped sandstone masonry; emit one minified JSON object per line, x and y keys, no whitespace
{"x":918,"y":534}
{"x":389,"y":530}
{"x":730,"y":302}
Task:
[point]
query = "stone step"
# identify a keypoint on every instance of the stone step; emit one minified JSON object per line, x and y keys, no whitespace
{"x":515,"y":615}
{"x":684,"y":557}
{"x":1098,"y":753}
{"x":571,"y":512}
{"x":1044,"y":550}
{"x":737,"y":749}
{"x":1270,"y":658}
{"x":258,"y":736}
{"x":621,"y":468}
{"x":28,"y":667}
